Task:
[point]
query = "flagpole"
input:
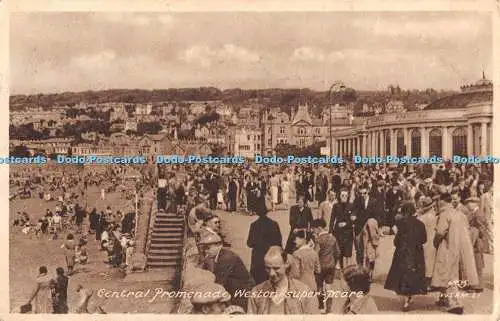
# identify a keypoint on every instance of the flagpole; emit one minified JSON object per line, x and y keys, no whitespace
{"x":136,"y":212}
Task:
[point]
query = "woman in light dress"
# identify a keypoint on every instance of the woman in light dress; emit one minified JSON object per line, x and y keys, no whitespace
{"x":274,"y":182}
{"x":285,"y":186}
{"x":41,"y":297}
{"x":486,"y":207}
{"x":70,"y":252}
{"x":85,"y":296}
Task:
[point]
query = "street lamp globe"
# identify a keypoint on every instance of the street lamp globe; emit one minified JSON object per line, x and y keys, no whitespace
{"x":336,"y":88}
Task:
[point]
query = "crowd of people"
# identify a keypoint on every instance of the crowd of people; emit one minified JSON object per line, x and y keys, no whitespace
{"x":439,"y":215}
{"x":75,"y":225}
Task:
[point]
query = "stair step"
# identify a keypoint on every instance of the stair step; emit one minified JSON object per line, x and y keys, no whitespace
{"x":159,"y":265}
{"x":168,"y":229}
{"x":169,"y":220}
{"x":177,"y":233}
{"x":160,"y":259}
{"x":167,"y":236}
{"x":163,"y":251}
{"x":161,"y":214}
{"x":162,"y":247}
{"x":168,"y":224}
{"x":165,"y":242}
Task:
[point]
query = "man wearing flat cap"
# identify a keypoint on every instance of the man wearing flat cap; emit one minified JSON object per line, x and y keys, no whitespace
{"x":429,"y":188}
{"x":478,"y":228}
{"x":228,"y":268}
{"x":429,"y":218}
{"x":210,"y":298}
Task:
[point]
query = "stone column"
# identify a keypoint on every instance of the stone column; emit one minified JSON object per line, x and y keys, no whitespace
{"x":490,"y":136}
{"x":407,"y":140}
{"x":394,"y":141}
{"x":364,"y":145}
{"x":446,"y":144}
{"x":424,"y":142}
{"x":382,"y":143}
{"x":373,"y":146}
{"x":358,"y":146}
{"x":368,"y":142}
{"x":484,"y":139}
{"x":470,"y":140}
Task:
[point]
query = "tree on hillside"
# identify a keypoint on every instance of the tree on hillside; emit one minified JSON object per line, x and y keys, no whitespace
{"x":208,"y":118}
{"x":285,"y":149}
{"x":20,"y":151}
{"x":149,"y":128}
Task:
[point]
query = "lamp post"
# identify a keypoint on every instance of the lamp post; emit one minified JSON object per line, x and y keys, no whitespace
{"x":336,"y":88}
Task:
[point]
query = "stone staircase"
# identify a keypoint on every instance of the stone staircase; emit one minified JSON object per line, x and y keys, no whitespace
{"x":166,"y":242}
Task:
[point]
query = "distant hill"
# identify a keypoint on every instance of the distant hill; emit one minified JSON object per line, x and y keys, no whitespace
{"x":276,"y":97}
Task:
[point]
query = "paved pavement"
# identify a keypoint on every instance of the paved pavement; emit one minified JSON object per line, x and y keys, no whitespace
{"x":387,"y":301}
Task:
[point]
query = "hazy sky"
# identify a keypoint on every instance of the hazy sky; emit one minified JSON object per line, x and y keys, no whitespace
{"x":56,"y":52}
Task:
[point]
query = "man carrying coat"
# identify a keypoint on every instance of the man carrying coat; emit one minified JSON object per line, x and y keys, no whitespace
{"x":454,"y":249}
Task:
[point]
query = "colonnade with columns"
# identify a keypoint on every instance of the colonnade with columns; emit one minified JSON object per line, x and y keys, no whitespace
{"x":469,"y":138}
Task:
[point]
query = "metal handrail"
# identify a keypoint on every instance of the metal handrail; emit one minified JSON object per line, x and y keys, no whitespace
{"x":184,"y":250}
{"x":151,"y":220}
{"x":183,"y":263}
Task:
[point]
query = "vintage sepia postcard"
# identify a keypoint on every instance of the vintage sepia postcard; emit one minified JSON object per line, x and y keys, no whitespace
{"x":284,"y":158}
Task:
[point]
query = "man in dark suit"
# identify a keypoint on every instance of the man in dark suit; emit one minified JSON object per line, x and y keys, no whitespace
{"x":321,"y":188}
{"x":341,"y":225}
{"x":264,"y":233}
{"x":365,"y":206}
{"x":394,"y":197}
{"x":60,"y":294}
{"x":231,"y":194}
{"x":336,"y":183}
{"x":228,"y":268}
{"x":300,"y":219}
{"x":212,"y":188}
{"x":379,"y":195}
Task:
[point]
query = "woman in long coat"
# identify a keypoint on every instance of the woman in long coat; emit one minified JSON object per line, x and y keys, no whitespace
{"x":263,"y":234}
{"x":300,"y":219}
{"x":429,"y":218}
{"x":407,"y":273}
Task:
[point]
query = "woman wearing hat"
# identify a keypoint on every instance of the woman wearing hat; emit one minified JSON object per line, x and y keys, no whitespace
{"x":407,"y":273}
{"x":429,"y":218}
